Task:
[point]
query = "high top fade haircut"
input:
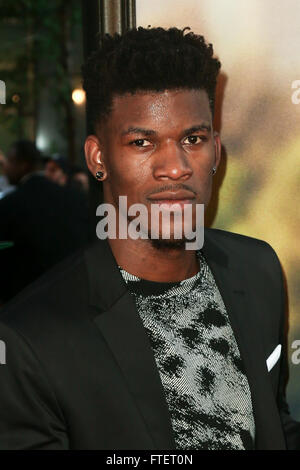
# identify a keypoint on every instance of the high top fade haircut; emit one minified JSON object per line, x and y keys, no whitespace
{"x":152,"y":59}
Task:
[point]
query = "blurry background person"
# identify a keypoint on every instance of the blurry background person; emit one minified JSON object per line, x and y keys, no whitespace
{"x":79,"y":179}
{"x":57,"y":169}
{"x":46,"y":222}
{"x":5,"y":187}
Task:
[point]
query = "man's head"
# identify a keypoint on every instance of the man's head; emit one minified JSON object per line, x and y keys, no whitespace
{"x":57,"y":169}
{"x":23,"y":157}
{"x":152,"y":59}
{"x":151,"y":97}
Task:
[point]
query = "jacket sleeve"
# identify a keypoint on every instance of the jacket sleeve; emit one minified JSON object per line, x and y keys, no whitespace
{"x":291,"y":427}
{"x":30,"y":417}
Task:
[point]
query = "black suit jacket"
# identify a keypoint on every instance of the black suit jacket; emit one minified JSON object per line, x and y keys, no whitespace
{"x":80,"y":372}
{"x":46,"y":222}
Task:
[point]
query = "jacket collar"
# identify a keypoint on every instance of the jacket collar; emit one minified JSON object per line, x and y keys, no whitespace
{"x":105,"y":282}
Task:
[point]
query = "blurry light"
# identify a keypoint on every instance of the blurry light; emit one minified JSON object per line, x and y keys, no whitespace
{"x":78,"y":96}
{"x":16,"y":98}
{"x":42,"y":142}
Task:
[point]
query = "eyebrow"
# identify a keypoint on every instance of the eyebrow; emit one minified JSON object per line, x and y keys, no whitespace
{"x":138,"y":130}
{"x":190,"y":130}
{"x":201,"y":127}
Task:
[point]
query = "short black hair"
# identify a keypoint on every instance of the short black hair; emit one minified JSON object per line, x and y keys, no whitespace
{"x":152,"y":59}
{"x":26,"y":151}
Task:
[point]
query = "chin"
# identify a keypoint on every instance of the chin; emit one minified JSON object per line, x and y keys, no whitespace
{"x":165,"y":244}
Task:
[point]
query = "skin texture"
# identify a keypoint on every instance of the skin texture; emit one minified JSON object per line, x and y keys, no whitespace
{"x":168,"y":156}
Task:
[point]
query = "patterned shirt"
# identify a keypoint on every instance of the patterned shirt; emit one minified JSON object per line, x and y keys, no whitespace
{"x":198,"y":360}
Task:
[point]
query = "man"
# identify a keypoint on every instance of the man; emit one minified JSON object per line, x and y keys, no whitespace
{"x":45,"y":222}
{"x":79,"y":179}
{"x":57,"y":169}
{"x":138,"y":342}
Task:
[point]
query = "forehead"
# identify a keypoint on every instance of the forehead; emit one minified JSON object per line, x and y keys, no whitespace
{"x":170,"y":107}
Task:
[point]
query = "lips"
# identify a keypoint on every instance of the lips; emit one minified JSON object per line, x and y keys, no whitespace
{"x":172,"y":196}
{"x":173,"y":200}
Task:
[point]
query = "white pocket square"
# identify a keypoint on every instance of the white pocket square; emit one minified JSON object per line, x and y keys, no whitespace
{"x":273,"y":358}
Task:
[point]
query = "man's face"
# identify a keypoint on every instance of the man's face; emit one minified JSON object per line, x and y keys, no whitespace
{"x":154,"y":142}
{"x":54,"y":173}
{"x":13,"y":168}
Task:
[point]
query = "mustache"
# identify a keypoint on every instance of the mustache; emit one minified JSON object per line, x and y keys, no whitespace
{"x":172,"y":187}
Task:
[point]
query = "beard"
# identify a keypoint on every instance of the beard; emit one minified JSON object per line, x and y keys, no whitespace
{"x":164,"y":244}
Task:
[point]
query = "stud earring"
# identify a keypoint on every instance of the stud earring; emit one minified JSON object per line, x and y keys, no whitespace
{"x":99,"y":175}
{"x":214,"y":170}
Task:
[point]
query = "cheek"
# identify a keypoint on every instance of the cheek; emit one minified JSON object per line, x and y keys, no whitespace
{"x":208,"y":194}
{"x":123,"y":182}
{"x":204,"y":165}
{"x":126,"y":171}
{"x":206,"y":191}
{"x":203,"y":183}
{"x":208,"y":156}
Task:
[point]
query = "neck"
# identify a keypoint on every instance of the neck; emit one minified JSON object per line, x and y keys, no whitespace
{"x":141,"y":258}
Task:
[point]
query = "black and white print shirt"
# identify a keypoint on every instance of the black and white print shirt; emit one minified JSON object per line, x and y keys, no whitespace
{"x":198,"y":360}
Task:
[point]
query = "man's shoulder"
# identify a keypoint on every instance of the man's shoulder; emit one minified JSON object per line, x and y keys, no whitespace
{"x":30,"y":188}
{"x":234,"y":238}
{"x":239,"y":248}
{"x":236,"y":241}
{"x":49,"y":321}
{"x":50,"y":299}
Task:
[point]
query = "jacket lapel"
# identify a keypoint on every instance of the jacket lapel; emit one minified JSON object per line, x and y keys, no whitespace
{"x":232,"y":283}
{"x":123,"y":330}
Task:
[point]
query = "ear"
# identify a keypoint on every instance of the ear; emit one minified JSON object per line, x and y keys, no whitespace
{"x":93,"y":156}
{"x":218,"y":147}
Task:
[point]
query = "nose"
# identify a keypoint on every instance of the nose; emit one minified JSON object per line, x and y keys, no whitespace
{"x":172,"y":163}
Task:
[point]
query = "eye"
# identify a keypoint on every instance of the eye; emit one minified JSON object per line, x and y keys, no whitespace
{"x":140,"y":142}
{"x":194,"y":139}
